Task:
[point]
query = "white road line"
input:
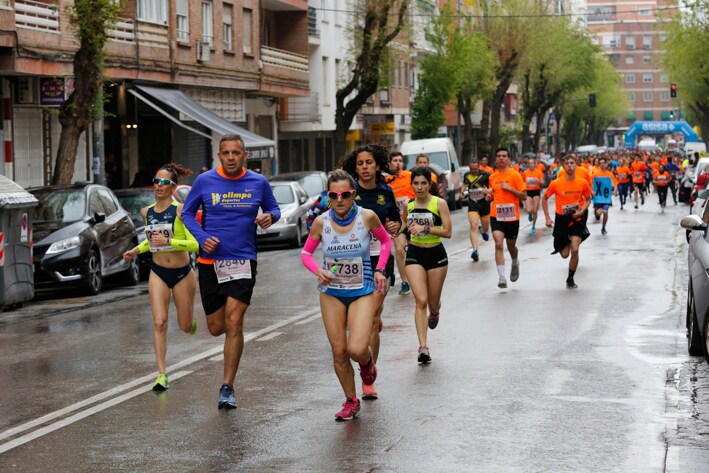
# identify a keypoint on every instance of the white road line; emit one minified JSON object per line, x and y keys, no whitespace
{"x":309,"y":319}
{"x":269,"y":336}
{"x":82,"y":415}
{"x":147,"y":378}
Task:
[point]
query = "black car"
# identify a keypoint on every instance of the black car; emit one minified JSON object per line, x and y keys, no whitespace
{"x":80,"y":233}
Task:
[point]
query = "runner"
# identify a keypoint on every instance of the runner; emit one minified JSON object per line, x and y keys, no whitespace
{"x":348,"y":302}
{"x":171,"y":272}
{"x":230,"y":197}
{"x":427,"y":221}
{"x":604,"y":187}
{"x":572,"y":201}
{"x":400,"y":183}
{"x":674,"y":169}
{"x":533,"y":178}
{"x":622,"y":173}
{"x":661,"y":179}
{"x":477,"y":183}
{"x":484,"y":164}
{"x":638,"y":169}
{"x":423,"y":160}
{"x":367,"y":163}
{"x":506,"y":190}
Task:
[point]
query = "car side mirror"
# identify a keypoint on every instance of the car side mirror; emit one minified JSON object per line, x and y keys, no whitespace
{"x":302,"y":200}
{"x":98,"y":218}
{"x":693,"y":222}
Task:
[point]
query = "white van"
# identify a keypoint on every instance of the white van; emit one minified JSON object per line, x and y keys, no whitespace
{"x":585,"y":150}
{"x":441,"y":152}
{"x":694,"y":147}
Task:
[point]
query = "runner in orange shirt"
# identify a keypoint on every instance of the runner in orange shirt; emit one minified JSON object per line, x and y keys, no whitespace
{"x":506,"y":190}
{"x":661,"y":179}
{"x":638,"y":169}
{"x":485,"y":164}
{"x":573,"y":196}
{"x":533,"y":178}
{"x":603,"y":187}
{"x":622,"y":173}
{"x":400,"y":183}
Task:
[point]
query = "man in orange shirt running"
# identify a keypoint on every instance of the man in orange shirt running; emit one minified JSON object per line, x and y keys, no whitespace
{"x":622,"y":173}
{"x":485,"y":164}
{"x":400,"y":183}
{"x":506,"y":190}
{"x":573,"y":196}
{"x":638,"y":169}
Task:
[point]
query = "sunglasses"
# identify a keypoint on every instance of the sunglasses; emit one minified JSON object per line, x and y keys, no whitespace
{"x":338,"y":195}
{"x":162,"y":180}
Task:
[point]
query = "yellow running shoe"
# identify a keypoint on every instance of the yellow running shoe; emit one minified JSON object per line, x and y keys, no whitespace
{"x":160,"y":383}
{"x":194,"y":327}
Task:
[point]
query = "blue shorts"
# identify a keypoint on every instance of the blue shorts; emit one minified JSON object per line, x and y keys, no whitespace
{"x":171,"y":276}
{"x":603,"y":207}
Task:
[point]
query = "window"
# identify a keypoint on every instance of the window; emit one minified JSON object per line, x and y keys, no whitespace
{"x":664,"y":96}
{"x":647,"y":78}
{"x":647,"y":97}
{"x":630,"y":78}
{"x":338,"y":70}
{"x":644,"y":11}
{"x":630,"y":42}
{"x":183,"y":20}
{"x":228,"y":13}
{"x":108,"y":202}
{"x":95,"y":204}
{"x":647,"y":42}
{"x":154,"y":11}
{"x":663,"y":78}
{"x":647,"y":59}
{"x":384,"y":96}
{"x":207,"y":32}
{"x":631,"y":97}
{"x":325,"y":85}
{"x":406,"y":75}
{"x":629,"y":59}
{"x":246,"y":33}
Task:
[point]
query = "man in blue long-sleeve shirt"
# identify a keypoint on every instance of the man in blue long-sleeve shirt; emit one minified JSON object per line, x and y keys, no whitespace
{"x":230,"y":197}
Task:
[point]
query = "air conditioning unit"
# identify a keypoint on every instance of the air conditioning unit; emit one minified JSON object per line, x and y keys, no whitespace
{"x":26,"y":90}
{"x":203,"y":52}
{"x":613,"y":43}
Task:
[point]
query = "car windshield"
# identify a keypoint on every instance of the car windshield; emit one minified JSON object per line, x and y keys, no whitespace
{"x":133,"y":203}
{"x":283,"y":194}
{"x":312,"y":184}
{"x":440,"y":158}
{"x":65,"y":205}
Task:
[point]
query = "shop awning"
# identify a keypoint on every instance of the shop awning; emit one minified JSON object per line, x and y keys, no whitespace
{"x":257,"y":146}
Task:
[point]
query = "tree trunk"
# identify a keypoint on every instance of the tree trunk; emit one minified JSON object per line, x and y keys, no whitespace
{"x":504,"y":76}
{"x":538,"y":132}
{"x":467,"y":144}
{"x":66,"y":154}
{"x":483,"y":143}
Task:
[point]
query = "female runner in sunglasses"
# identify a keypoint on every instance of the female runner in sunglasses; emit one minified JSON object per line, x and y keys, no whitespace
{"x":170,"y":243}
{"x":349,"y":302}
{"x":367,"y":165}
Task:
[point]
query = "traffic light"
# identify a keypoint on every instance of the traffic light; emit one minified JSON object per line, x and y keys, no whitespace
{"x":673,"y":90}
{"x":591,"y":100}
{"x":672,"y":114}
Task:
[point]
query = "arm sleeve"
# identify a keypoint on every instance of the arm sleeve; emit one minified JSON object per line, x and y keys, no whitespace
{"x":189,"y":212}
{"x":382,"y":235}
{"x":306,"y":255}
{"x":269,"y":204}
{"x":183,"y":240}
{"x":144,"y":246}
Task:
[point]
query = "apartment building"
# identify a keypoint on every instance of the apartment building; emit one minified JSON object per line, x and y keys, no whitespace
{"x":179,"y":74}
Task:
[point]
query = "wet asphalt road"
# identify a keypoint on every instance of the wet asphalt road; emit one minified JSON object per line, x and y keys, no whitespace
{"x":534,"y":378}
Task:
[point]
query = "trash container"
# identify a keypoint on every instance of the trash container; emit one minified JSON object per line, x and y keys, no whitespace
{"x":16,"y":266}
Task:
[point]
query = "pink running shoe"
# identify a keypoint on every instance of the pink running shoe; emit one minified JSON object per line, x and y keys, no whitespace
{"x":368,"y":392}
{"x":368,"y":374}
{"x":349,"y":411}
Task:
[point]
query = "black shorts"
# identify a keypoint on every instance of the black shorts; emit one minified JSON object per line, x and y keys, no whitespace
{"x":603,"y":207}
{"x":534,"y":192}
{"x":510,"y":229}
{"x":482,"y":207}
{"x":389,"y":270}
{"x":639,"y":185}
{"x":430,"y":258}
{"x":214,"y":295}
{"x":565,"y":227}
{"x":170,"y":276}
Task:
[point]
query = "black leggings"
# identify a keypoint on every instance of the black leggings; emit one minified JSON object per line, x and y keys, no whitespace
{"x":662,"y":192}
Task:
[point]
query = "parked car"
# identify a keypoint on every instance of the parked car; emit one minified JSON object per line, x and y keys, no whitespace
{"x":697,"y":314}
{"x":80,"y":234}
{"x":294,"y":203}
{"x":313,"y":182}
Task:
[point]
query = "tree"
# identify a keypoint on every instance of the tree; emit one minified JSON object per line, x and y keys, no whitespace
{"x":373,"y":35}
{"x":92,"y":20}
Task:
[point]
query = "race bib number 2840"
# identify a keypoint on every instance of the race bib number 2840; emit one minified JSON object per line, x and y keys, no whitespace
{"x":232,"y":269}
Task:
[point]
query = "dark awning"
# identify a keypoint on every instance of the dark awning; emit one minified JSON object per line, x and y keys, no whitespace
{"x":257,"y":146}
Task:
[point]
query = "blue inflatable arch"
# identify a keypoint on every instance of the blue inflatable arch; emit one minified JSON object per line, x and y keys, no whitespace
{"x":659,"y":128}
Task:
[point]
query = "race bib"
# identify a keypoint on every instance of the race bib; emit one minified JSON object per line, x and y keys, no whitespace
{"x":570,"y":209}
{"x":349,"y":275}
{"x":164,"y":229}
{"x":402,"y":202}
{"x":638,"y":175}
{"x":532,"y":182}
{"x":420,"y":218}
{"x":232,"y":269}
{"x":622,"y":176}
{"x":477,"y":193}
{"x":662,"y":179}
{"x":505,"y":212}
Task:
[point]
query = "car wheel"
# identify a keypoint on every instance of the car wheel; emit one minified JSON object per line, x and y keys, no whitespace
{"x":694,"y":337}
{"x":298,"y":239}
{"x":93,"y":280}
{"x":132,"y":274}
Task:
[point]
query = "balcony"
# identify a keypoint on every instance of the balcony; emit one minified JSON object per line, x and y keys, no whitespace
{"x":37,"y":16}
{"x":123,"y":31}
{"x":301,"y":109}
{"x":284,"y":73}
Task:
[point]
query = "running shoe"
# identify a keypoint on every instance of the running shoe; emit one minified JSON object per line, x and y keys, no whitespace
{"x":636,"y":206}
{"x":368,"y":392}
{"x":486,"y":236}
{"x":194,"y":327}
{"x":368,"y":374}
{"x":226,"y":397}
{"x":405,"y":289}
{"x":424,"y":355}
{"x":474,"y":255}
{"x":570,"y":284}
{"x":502,"y":282}
{"x":529,"y":217}
{"x":642,"y":200}
{"x":514,"y":273}
{"x":160,"y":383}
{"x":534,"y":230}
{"x":433,"y":320}
{"x":349,"y":411}
{"x":603,"y":231}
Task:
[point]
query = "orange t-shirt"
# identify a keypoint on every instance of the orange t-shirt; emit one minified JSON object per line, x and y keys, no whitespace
{"x":638,"y":168}
{"x":403,"y":192}
{"x":663,"y":179}
{"x":581,"y":172}
{"x":655,"y":166}
{"x":505,"y":203}
{"x":623,"y":174}
{"x":533,"y":179}
{"x":571,"y":194}
{"x":487,"y":168}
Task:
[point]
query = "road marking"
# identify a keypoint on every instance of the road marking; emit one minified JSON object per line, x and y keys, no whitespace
{"x":136,"y":382}
{"x":317,"y":316}
{"x":269,"y":336}
{"x":82,"y":415}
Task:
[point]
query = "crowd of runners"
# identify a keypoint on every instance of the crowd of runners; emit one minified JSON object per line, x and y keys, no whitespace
{"x":374,"y":219}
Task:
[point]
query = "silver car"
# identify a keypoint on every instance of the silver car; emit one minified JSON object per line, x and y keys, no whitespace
{"x":698,"y":286}
{"x":291,"y":227}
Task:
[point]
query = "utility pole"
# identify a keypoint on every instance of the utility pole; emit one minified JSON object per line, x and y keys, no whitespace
{"x":458,"y":144}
